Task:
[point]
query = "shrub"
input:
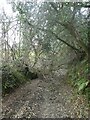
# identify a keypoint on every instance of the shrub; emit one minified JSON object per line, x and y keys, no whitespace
{"x":79,"y":78}
{"x":11,"y":78}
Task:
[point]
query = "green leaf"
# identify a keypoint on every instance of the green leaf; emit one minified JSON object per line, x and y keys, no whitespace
{"x":83,"y":85}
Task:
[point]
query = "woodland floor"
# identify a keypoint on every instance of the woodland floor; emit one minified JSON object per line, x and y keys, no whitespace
{"x":49,"y":98}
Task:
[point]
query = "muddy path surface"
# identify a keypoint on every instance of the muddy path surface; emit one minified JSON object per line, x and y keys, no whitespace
{"x":48,"y":98}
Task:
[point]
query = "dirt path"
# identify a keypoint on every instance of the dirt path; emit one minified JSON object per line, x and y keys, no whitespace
{"x":48,"y":98}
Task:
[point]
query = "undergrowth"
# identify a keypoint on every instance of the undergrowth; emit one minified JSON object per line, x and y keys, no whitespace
{"x":78,"y":77}
{"x":15,"y":75}
{"x":11,"y":78}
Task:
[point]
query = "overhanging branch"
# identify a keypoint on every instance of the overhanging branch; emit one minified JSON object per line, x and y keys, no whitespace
{"x":45,"y":30}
